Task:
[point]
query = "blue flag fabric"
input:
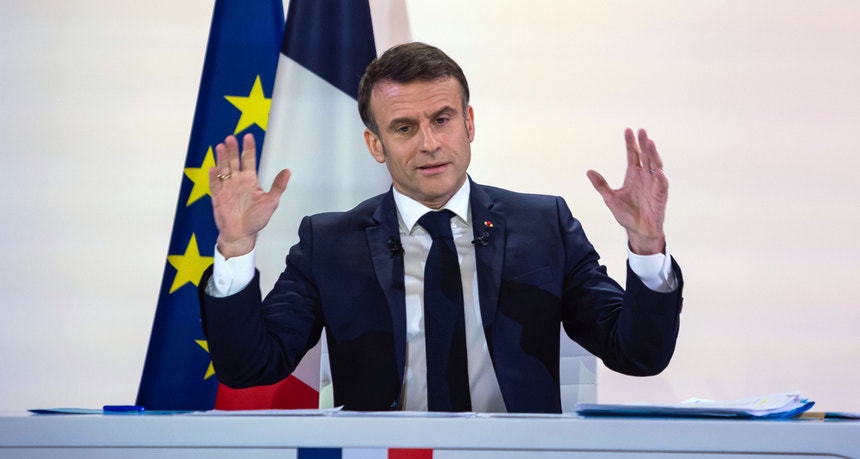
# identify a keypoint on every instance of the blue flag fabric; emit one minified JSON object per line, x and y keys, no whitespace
{"x":234,"y":98}
{"x":331,"y":38}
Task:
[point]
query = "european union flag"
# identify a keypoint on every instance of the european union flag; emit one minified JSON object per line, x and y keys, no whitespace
{"x":317,"y":132}
{"x":234,"y":98}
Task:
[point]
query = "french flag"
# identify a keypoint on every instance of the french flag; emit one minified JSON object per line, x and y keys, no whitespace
{"x":315,"y":131}
{"x":363,"y":453}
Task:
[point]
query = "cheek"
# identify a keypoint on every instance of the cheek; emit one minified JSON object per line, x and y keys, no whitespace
{"x":401,"y":156}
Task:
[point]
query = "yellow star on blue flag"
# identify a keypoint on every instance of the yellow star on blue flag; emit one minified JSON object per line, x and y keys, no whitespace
{"x":200,"y":177}
{"x":205,"y":345}
{"x":255,"y":108}
{"x":189,"y":266}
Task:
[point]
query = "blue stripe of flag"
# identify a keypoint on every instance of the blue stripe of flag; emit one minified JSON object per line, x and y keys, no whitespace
{"x":319,"y":453}
{"x":331,"y":38}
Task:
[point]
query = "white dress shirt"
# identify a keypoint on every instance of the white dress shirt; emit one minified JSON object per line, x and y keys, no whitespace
{"x":483,"y":386}
{"x":233,"y":275}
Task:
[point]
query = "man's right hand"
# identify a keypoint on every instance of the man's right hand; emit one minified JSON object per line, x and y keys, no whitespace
{"x":240,"y":206}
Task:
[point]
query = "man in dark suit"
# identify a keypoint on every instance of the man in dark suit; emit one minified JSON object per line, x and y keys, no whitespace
{"x":525,"y":266}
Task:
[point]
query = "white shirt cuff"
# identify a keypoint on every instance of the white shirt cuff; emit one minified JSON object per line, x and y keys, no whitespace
{"x":230,"y":276}
{"x":655,"y":271}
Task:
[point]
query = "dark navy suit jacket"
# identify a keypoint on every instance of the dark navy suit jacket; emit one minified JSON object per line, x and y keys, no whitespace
{"x":536,"y":271}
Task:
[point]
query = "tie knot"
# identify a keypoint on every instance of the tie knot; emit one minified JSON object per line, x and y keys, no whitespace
{"x":438,"y":224}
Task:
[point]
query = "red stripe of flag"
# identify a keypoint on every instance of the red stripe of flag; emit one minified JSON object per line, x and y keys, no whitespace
{"x":291,"y":393}
{"x":406,"y":453}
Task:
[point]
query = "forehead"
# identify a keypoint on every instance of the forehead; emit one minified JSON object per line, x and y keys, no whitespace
{"x":391,"y":100}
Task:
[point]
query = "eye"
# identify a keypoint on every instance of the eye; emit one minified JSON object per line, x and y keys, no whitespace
{"x":442,"y":120}
{"x":403,"y":129}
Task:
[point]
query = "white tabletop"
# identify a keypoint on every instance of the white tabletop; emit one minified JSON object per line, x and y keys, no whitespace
{"x":24,"y":435}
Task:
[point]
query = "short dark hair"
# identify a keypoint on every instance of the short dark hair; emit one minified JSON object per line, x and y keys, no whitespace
{"x":404,"y":64}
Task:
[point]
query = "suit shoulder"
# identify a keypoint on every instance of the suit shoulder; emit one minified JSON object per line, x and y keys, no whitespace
{"x":507,"y":198}
{"x":361,"y":214}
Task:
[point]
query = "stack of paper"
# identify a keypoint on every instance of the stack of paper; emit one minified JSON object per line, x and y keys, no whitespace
{"x":784,"y":405}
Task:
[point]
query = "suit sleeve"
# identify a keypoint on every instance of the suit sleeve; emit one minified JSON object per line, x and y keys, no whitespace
{"x":634,"y":329}
{"x":254,"y":341}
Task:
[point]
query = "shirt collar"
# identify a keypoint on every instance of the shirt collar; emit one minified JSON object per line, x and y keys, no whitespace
{"x":410,"y":210}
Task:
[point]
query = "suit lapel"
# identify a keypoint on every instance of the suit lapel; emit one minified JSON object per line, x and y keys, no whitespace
{"x":489,"y":227}
{"x":384,"y":242}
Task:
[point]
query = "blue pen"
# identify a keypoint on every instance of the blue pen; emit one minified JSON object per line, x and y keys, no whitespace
{"x":123,"y":409}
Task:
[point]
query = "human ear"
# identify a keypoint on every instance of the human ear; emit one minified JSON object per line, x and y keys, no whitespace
{"x":374,"y":146}
{"x":470,"y":123}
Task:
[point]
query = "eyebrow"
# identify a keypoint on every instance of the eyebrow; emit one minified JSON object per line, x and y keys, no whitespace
{"x":444,"y":110}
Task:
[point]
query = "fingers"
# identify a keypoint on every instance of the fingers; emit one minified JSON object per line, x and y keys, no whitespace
{"x":229,"y":160}
{"x":279,"y":185}
{"x":599,"y":184}
{"x":641,"y":152}
{"x":650,"y":158}
{"x":222,"y":169}
{"x":227,"y":155}
{"x":214,"y":182}
{"x":249,"y":153}
{"x":632,"y":149}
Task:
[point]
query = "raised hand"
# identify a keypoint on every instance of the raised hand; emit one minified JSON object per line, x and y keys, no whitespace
{"x":640,"y":204}
{"x":240,"y":206}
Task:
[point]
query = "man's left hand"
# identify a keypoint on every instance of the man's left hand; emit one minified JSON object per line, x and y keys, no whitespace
{"x":640,"y":204}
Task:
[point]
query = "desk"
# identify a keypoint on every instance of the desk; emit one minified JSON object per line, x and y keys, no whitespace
{"x":184,"y":436}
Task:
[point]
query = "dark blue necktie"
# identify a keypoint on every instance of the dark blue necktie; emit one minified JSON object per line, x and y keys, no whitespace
{"x":444,"y":319}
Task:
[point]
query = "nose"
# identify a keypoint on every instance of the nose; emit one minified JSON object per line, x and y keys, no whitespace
{"x":429,"y":144}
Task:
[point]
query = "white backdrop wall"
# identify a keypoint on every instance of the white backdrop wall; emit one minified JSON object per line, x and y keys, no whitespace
{"x":754,"y":105}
